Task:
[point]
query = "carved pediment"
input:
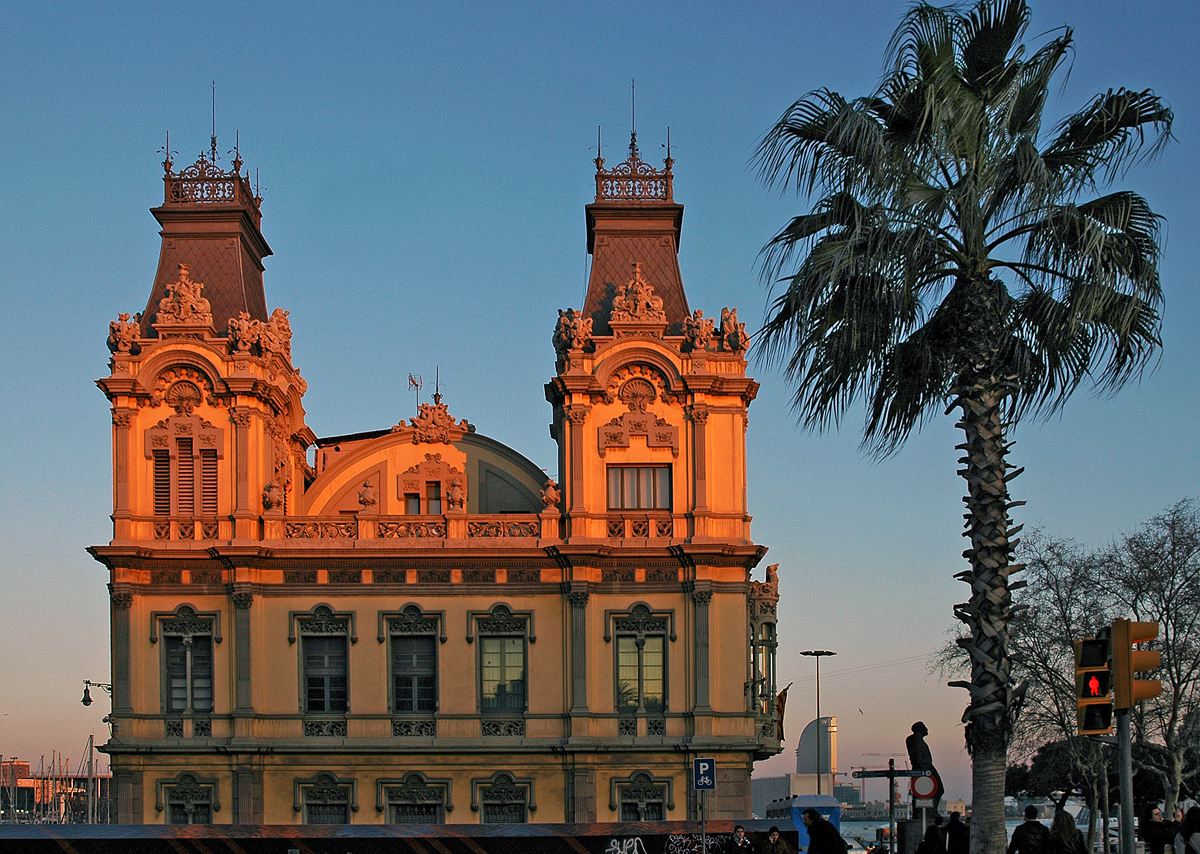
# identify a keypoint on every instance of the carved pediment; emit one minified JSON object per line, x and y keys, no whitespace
{"x":659,"y":433}
{"x":434,"y":424}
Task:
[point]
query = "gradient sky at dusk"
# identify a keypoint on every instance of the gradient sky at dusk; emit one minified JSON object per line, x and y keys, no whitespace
{"x":424,"y":174}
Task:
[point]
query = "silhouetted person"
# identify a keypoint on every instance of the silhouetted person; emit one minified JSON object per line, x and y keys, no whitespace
{"x":958,"y":837}
{"x":921,"y":759}
{"x":1031,"y":836}
{"x":823,"y":837}
{"x":932,"y":842}
{"x":1065,"y":837}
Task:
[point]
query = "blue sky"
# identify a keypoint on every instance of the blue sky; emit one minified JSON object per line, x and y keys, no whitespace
{"x":425,"y":169}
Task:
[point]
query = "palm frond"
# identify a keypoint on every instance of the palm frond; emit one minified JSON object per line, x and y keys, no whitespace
{"x":990,"y":50}
{"x":1108,"y":135}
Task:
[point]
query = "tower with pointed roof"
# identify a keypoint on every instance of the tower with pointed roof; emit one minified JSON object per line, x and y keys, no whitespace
{"x":413,"y":618}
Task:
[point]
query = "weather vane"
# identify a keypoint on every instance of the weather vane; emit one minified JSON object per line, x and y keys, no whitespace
{"x":415,"y":383}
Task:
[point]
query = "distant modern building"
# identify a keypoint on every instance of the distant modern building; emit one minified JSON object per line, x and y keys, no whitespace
{"x":804,"y":781}
{"x":412,"y":624}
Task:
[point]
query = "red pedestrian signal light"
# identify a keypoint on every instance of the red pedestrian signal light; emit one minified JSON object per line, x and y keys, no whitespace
{"x":1093,"y":684}
{"x":1127,"y":661}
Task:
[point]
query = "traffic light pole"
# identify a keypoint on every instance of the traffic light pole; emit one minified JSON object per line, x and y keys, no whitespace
{"x":1125,"y":769}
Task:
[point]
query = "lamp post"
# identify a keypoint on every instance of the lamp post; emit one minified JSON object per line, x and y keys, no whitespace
{"x":92,"y":806}
{"x":818,"y":654}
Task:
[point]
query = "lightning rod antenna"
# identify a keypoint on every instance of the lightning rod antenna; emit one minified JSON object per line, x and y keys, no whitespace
{"x":214,"y":121}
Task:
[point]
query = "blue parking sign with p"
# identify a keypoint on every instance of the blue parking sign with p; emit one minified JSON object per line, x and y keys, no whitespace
{"x":704,"y":774}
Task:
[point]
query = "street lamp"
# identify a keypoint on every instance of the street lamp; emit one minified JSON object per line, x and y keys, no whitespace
{"x":87,"y":695}
{"x":818,"y":654}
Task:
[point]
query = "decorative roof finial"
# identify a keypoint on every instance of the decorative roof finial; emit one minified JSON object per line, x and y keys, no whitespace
{"x":237,"y":152}
{"x":437,"y":385}
{"x":599,"y":161}
{"x":633,"y":150}
{"x":214,"y":121}
{"x":166,"y":152}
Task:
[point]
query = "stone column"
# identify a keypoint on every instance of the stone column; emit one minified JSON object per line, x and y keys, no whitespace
{"x":699,"y":416}
{"x":243,"y":510}
{"x":579,"y":598}
{"x":121,"y":419}
{"x":701,"y":597}
{"x":243,"y":699}
{"x":575,"y":416}
{"x":120,"y":613}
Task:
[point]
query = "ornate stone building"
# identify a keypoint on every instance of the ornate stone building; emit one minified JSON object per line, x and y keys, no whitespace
{"x":412,"y":624}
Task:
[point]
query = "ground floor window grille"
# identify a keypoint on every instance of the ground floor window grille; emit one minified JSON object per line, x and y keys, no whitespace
{"x":187,"y":800}
{"x":325,"y":799}
{"x":415,"y":814}
{"x":503,"y":799}
{"x":641,"y":798}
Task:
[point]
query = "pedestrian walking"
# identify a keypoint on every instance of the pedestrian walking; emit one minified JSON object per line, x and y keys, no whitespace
{"x":1065,"y":837}
{"x":1031,"y":836}
{"x":958,"y":837}
{"x":823,"y":837}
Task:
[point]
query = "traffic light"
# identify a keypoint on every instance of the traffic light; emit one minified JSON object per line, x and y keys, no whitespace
{"x":1093,"y":681}
{"x":1127,"y":661}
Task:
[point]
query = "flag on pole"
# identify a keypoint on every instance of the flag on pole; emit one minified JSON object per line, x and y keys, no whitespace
{"x":780,"y":705}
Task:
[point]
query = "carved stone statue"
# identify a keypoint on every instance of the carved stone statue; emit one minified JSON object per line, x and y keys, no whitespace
{"x":183,"y":303}
{"x":123,"y":332}
{"x":243,"y":332}
{"x":921,"y":759}
{"x":367,"y":497}
{"x":733,"y":334}
{"x":550,"y":494}
{"x":697,"y":329}
{"x":573,"y":332}
{"x":638,"y":301}
{"x":276,"y":335}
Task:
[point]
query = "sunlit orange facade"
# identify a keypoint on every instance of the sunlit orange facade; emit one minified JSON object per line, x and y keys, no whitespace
{"x":412,"y":624}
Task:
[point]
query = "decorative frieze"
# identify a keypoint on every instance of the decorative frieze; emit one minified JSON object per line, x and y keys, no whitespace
{"x":321,"y":530}
{"x":406,"y":530}
{"x":502,"y":728}
{"x":497,"y":528}
{"x":404,"y":728}
{"x":325,"y":729}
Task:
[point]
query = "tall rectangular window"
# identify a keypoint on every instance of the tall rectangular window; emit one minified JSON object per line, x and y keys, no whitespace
{"x":433,"y":498}
{"x":639,"y":487}
{"x":325,"y":674}
{"x":502,"y":670}
{"x":162,"y":483}
{"x":185,"y":466}
{"x":412,"y":503}
{"x":189,"y":673}
{"x":414,"y":674}
{"x":641,"y":671}
{"x":208,"y":482}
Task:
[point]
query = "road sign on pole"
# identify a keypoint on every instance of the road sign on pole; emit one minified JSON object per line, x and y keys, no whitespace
{"x":704,"y":774}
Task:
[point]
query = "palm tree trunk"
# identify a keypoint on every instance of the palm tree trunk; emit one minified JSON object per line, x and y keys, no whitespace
{"x":989,"y":717}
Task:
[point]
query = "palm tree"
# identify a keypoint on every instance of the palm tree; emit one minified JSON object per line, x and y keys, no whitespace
{"x":950,"y":263}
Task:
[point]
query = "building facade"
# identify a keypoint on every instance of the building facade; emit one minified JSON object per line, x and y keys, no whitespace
{"x":413,"y":624}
